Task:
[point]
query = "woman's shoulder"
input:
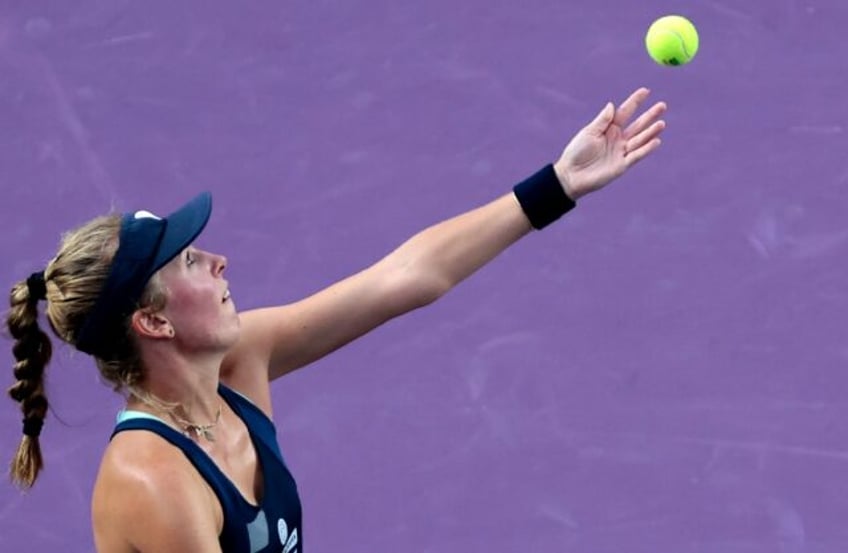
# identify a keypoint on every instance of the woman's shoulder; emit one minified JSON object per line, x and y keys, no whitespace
{"x":143,"y":461}
{"x":141,"y":473}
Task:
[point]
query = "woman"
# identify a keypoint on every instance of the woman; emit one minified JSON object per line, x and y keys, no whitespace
{"x":193,"y":464}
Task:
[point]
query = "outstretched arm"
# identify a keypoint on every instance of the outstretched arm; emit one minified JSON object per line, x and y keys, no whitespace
{"x":433,"y":261}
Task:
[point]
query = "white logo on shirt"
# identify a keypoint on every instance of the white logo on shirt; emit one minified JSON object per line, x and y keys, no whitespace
{"x":289,"y":541}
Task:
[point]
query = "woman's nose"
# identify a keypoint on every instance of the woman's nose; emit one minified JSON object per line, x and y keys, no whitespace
{"x":220,"y":264}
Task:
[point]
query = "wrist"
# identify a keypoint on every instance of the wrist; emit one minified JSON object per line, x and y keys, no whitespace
{"x":566,"y":182}
{"x":543,"y":197}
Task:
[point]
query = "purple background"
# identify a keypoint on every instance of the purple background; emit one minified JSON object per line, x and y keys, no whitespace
{"x":662,"y":371}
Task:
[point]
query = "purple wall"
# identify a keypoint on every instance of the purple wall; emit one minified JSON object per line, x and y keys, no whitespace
{"x":662,"y":371}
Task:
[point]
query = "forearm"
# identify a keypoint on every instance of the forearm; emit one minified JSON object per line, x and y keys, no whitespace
{"x":439,"y":257}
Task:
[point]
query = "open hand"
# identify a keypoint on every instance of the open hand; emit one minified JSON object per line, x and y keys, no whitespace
{"x":605,"y":148}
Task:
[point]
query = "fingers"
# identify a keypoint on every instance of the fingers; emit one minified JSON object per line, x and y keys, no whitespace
{"x":644,"y":143}
{"x":629,"y":106}
{"x":603,"y":120}
{"x":642,"y":135}
{"x":636,"y":155}
{"x":646,"y":119}
{"x":645,"y":136}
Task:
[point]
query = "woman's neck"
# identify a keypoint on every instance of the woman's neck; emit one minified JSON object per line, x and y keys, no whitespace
{"x":182,"y":388}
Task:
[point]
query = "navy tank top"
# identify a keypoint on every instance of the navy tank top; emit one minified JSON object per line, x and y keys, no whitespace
{"x":272,"y":526}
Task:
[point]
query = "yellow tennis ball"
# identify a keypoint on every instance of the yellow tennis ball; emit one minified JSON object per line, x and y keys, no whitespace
{"x":672,"y":40}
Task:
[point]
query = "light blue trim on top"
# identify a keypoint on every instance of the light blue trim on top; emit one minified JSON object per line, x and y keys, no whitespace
{"x":244,"y":397}
{"x":129,"y":414}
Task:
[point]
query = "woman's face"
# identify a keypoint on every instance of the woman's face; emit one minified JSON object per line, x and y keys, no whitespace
{"x":198,"y":301}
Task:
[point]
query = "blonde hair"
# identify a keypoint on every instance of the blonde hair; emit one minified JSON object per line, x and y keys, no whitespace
{"x":73,"y":281}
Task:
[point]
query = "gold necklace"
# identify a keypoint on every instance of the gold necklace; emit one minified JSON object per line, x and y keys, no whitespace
{"x":204,"y":430}
{"x":189,"y":428}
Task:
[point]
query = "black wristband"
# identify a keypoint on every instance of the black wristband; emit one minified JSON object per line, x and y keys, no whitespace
{"x":542,"y":198}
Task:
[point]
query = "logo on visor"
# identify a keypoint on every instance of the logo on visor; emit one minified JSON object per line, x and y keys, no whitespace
{"x":145,"y":215}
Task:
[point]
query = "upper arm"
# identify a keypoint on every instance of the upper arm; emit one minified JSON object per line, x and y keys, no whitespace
{"x":287,"y":337}
{"x":156,"y":507}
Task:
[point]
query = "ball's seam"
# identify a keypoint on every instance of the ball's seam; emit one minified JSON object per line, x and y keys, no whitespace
{"x":682,"y":43}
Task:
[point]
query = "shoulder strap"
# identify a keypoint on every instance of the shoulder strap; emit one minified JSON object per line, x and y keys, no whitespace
{"x":226,"y":492}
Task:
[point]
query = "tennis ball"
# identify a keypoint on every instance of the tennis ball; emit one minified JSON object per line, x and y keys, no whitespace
{"x":672,"y":40}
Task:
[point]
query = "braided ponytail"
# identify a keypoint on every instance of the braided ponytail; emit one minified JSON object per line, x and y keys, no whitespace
{"x":76,"y":276}
{"x":32,"y":351}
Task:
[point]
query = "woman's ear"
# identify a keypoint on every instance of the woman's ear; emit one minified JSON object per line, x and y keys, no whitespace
{"x":150,"y":324}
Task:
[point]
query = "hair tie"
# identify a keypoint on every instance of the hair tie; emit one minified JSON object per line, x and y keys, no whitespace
{"x":32,"y":426}
{"x":36,"y":286}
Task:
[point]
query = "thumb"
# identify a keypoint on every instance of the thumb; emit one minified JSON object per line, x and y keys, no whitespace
{"x":603,"y":120}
